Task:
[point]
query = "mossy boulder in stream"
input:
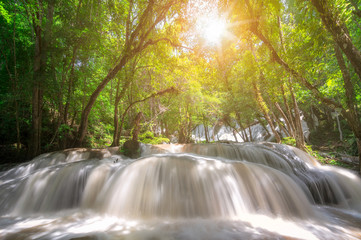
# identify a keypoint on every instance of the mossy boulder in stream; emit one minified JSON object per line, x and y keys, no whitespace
{"x":131,"y":148}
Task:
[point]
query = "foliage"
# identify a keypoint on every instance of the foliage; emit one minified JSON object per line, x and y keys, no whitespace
{"x":324,"y":159}
{"x":289,"y":141}
{"x":149,"y":138}
{"x":100,"y":136}
{"x":271,"y":52}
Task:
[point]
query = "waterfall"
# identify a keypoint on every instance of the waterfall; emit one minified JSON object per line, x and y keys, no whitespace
{"x":193,"y":191}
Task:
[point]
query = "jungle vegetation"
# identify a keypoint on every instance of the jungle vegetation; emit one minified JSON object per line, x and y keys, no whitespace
{"x":78,"y":73}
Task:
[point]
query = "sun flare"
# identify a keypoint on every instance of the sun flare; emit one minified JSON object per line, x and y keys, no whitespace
{"x":213,"y":30}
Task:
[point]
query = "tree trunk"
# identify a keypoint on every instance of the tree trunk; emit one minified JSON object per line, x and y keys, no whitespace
{"x":85,"y":114}
{"x":42,"y":36}
{"x":351,"y":116}
{"x":339,"y":125}
{"x":339,"y":33}
{"x":263,"y":107}
{"x":350,"y":93}
{"x":117,"y":130}
{"x":35,"y":145}
{"x":250,"y":134}
{"x":137,"y":41}
{"x":234,"y":128}
{"x":206,"y":131}
{"x":116,"y":136}
{"x":358,"y":141}
{"x":262,"y":104}
{"x":70,"y":86}
{"x":160,"y":93}
{"x":128,"y":81}
{"x":14,"y":82}
{"x":354,"y":122}
{"x":288,"y":111}
{"x":136,"y":128}
{"x":280,"y":124}
{"x":243,"y":133}
{"x":288,"y":124}
{"x":235,"y":135}
{"x":15,"y":89}
{"x":300,"y":139}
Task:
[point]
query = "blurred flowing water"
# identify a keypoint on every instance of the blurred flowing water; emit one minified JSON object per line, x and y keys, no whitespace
{"x":195,"y":191}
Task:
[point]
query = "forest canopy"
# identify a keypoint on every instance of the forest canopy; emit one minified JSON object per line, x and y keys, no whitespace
{"x":78,"y":73}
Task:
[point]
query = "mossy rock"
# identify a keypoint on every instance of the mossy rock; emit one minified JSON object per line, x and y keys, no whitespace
{"x":131,"y":149}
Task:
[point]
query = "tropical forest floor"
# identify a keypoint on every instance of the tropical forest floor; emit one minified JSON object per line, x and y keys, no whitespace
{"x":329,"y":149}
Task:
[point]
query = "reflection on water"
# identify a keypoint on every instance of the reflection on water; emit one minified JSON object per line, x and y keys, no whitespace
{"x":214,"y":191}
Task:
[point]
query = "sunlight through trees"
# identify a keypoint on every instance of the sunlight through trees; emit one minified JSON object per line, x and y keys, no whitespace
{"x":75,"y":73}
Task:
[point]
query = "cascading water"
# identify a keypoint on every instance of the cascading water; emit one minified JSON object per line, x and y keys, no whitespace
{"x":205,"y":191}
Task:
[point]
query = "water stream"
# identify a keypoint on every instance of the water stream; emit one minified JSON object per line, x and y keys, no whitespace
{"x":176,"y":192}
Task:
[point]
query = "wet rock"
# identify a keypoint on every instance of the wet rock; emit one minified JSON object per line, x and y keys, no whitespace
{"x":131,"y":148}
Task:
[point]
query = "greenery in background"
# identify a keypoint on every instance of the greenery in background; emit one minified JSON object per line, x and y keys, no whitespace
{"x":328,"y":158}
{"x":149,"y":138}
{"x":281,"y":62}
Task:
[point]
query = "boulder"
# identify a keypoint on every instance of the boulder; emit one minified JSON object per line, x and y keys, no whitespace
{"x":131,"y":148}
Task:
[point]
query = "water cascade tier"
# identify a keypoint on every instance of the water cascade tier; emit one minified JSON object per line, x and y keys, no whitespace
{"x":194,"y":191}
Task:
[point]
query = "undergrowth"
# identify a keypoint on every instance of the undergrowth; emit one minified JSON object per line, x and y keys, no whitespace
{"x":323,"y":158}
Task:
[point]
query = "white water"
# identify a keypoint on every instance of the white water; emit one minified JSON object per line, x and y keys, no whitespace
{"x":213,"y":191}
{"x":255,"y":132}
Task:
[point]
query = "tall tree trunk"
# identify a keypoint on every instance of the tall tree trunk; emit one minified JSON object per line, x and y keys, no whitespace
{"x":15,"y":89}
{"x":288,"y":112}
{"x":115,"y":118}
{"x":42,"y":37}
{"x":243,"y":133}
{"x":280,"y":124}
{"x":264,"y":109}
{"x":85,"y":113}
{"x":136,"y":128}
{"x":350,"y":93}
{"x":250,"y":134}
{"x":288,"y":124}
{"x":262,"y":104}
{"x":35,"y":144}
{"x":70,"y":86}
{"x":339,"y":125}
{"x":128,"y":80}
{"x":118,"y":96}
{"x":14,"y":82}
{"x":206,"y":132}
{"x":358,"y":142}
{"x":351,"y":116}
{"x":300,"y":139}
{"x":117,"y":129}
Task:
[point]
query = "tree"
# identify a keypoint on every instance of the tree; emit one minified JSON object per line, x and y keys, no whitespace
{"x":140,"y":37}
{"x":256,"y":28}
{"x":334,"y":23}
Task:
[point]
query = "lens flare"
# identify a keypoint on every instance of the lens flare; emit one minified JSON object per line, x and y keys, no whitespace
{"x":212,"y":29}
